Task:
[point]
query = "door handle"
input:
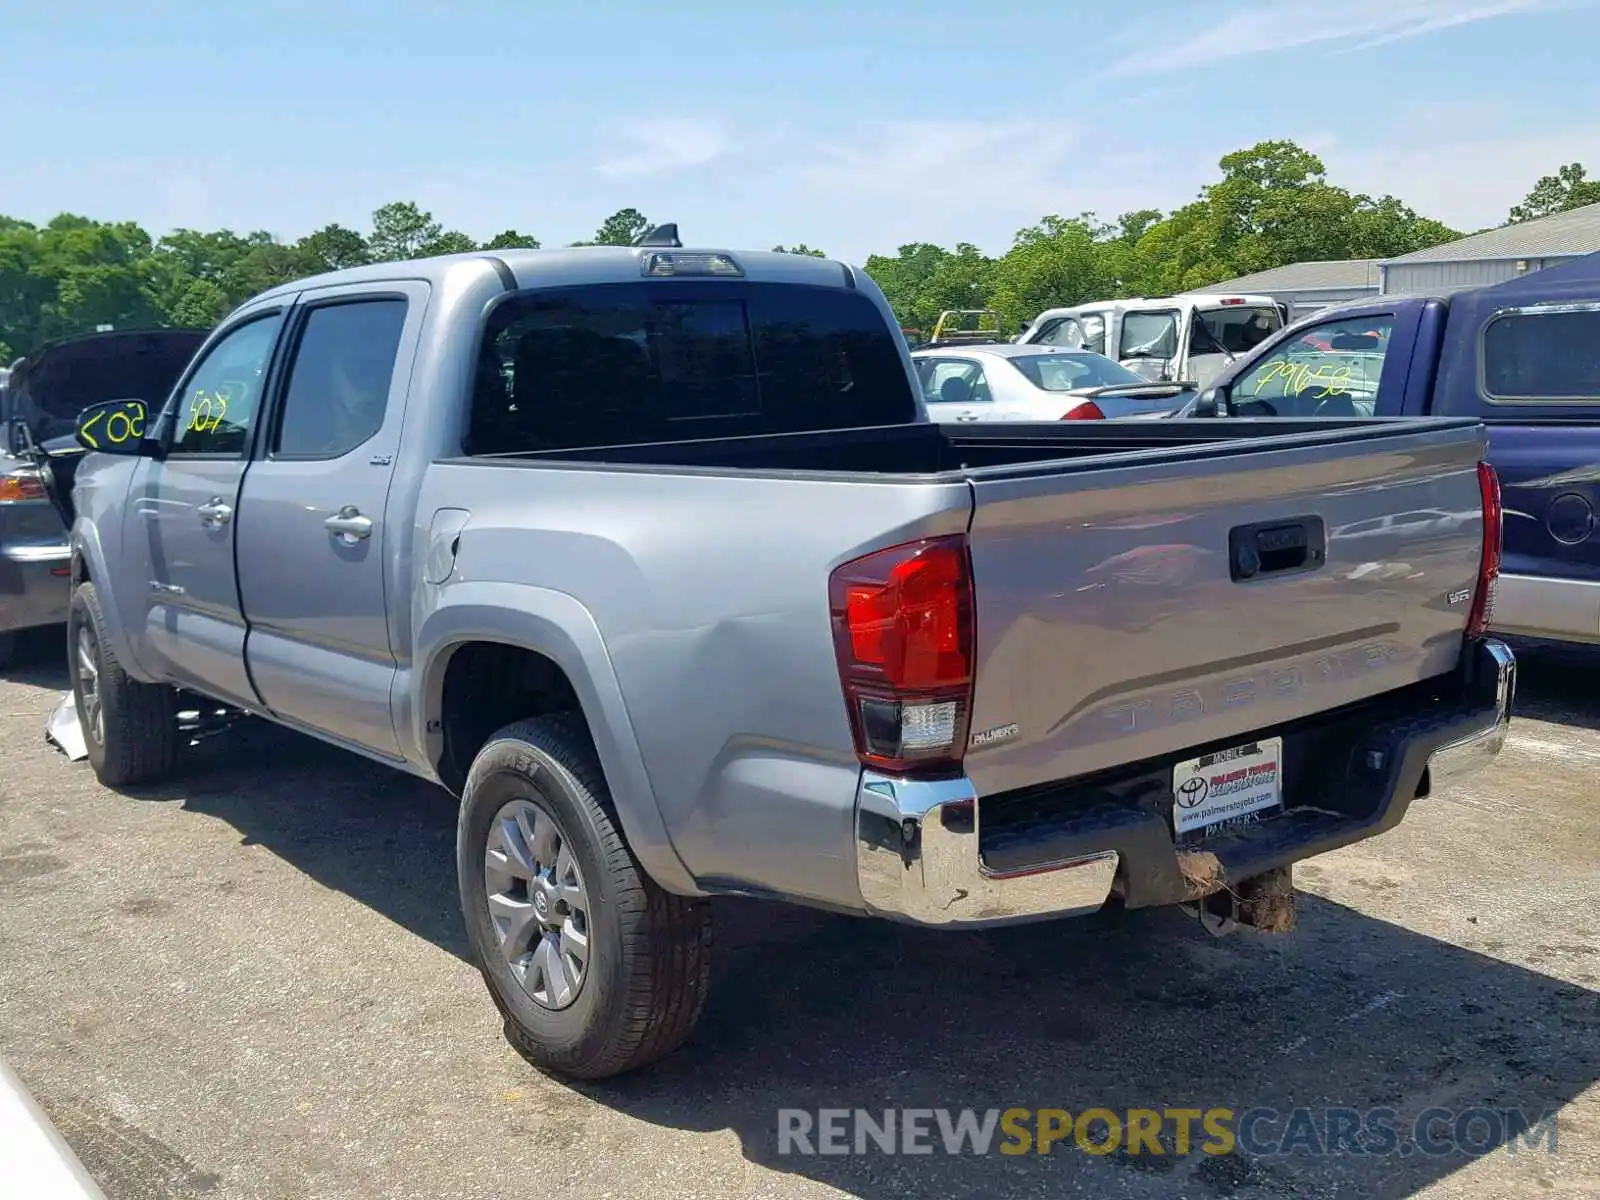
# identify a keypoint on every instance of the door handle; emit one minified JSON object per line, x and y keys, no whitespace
{"x":349,"y":524}
{"x":215,"y":512}
{"x":968,"y":417}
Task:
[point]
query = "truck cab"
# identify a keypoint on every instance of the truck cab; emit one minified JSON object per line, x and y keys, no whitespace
{"x":1166,"y":339}
{"x":1521,"y":357}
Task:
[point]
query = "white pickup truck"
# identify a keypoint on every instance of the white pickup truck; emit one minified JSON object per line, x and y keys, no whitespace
{"x":1191,"y":338}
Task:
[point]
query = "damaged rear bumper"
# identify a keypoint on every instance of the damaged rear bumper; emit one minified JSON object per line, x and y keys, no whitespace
{"x":930,"y":852}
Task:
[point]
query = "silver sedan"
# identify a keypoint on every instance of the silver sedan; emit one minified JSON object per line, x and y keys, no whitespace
{"x":1009,"y":382}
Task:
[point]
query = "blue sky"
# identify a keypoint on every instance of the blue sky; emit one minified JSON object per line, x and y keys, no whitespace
{"x":852,"y":127}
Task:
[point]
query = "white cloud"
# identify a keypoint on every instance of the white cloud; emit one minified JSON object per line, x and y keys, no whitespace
{"x":661,"y":144}
{"x":883,"y":184}
{"x":1469,"y":180}
{"x":1277,"y":27}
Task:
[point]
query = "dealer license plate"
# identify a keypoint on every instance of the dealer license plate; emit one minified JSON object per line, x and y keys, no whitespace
{"x":1230,"y":787}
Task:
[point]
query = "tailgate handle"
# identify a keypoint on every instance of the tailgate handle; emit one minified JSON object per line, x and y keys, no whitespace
{"x":1276,"y":547}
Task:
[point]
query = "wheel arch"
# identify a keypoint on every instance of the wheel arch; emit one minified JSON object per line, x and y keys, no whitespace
{"x":567,"y":651}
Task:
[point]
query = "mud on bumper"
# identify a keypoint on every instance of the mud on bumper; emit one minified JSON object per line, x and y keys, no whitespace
{"x":931,"y":852}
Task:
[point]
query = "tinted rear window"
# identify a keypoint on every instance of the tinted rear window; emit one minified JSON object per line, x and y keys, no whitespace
{"x":1550,"y":357}
{"x":621,"y":364}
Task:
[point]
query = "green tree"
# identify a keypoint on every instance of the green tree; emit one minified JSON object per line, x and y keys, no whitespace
{"x":449,"y":242}
{"x":1568,"y":188}
{"x":1272,"y":206}
{"x":1057,"y":262}
{"x":93,"y":273}
{"x":401,"y":230}
{"x":622,"y":228}
{"x":23,"y":290}
{"x":332,"y":248}
{"x":800,"y":248}
{"x":923,"y":280}
{"x":510,"y":239}
{"x":201,"y":306}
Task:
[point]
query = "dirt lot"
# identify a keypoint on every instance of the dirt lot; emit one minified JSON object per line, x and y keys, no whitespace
{"x":252,"y":983}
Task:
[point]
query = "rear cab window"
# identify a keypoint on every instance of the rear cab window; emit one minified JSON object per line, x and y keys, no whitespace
{"x":632,"y":363}
{"x":1542,"y":356}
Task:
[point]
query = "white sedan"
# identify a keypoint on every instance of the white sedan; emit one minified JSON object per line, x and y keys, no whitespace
{"x":1009,"y":382}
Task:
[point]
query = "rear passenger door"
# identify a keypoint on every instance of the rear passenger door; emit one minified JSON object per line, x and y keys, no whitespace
{"x":313,"y":544}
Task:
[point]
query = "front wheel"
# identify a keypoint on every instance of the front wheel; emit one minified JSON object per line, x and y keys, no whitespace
{"x":130,"y":729}
{"x":596,"y":969}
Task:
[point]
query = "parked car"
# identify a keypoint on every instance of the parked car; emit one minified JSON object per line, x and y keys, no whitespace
{"x":1007,"y":382}
{"x":1188,"y":338}
{"x":653,"y":558}
{"x":40,"y":402}
{"x":1520,"y":356}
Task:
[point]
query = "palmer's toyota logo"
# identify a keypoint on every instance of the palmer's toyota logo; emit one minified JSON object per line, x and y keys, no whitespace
{"x":1192,"y":791}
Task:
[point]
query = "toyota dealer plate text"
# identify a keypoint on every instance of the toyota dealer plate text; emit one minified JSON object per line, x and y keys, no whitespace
{"x":1228,"y":787}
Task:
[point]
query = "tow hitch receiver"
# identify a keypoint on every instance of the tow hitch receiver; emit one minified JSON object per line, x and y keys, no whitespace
{"x":1264,"y":902}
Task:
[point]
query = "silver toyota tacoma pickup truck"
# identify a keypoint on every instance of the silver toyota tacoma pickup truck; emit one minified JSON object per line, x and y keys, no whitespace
{"x":652,"y":557}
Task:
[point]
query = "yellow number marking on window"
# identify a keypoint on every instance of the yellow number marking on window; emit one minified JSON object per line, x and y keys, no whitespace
{"x":1298,"y":377}
{"x":206,"y":413}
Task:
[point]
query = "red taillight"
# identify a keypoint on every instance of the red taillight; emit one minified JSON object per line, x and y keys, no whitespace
{"x":1489,"y":560}
{"x":1087,"y":411}
{"x":903,"y":632}
{"x":22,"y":484}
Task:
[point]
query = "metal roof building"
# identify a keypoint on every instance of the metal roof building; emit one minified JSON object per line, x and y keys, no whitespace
{"x":1308,"y":286}
{"x":1495,"y":255}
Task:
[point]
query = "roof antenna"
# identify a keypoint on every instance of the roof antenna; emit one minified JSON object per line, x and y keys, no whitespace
{"x":661,"y":235}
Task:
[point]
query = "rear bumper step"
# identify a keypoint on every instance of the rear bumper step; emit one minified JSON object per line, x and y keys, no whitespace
{"x":922,"y":857}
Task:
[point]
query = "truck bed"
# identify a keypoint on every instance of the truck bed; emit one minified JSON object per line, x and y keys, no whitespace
{"x":931,"y":451}
{"x":1113,"y":622}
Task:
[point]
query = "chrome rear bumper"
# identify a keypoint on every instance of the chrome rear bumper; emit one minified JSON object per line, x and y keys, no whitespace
{"x":918,"y":855}
{"x":1470,"y":754}
{"x":917,"y":860}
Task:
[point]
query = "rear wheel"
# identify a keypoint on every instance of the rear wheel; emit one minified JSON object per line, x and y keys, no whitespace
{"x":596,"y":969}
{"x":130,"y":729}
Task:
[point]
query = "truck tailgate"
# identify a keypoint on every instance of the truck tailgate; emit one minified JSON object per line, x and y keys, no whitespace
{"x":1119,"y":618}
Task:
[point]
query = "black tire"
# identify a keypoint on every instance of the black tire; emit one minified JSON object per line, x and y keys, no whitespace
{"x":8,"y":649}
{"x":140,"y":719}
{"x":649,"y":950}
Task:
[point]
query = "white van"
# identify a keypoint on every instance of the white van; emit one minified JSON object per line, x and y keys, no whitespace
{"x":1187,"y":338}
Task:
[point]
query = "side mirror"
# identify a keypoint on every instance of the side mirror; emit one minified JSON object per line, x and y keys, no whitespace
{"x":1210,"y":403}
{"x":114,"y":427}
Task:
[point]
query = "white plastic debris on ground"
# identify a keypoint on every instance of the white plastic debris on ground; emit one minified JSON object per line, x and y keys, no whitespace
{"x":38,"y":1161}
{"x":63,"y":732}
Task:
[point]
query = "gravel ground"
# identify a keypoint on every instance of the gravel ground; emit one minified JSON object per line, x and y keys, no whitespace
{"x":253,"y":983}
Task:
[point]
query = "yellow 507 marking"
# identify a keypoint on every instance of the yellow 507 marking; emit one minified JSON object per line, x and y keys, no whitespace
{"x":1297,"y":377}
{"x":206,"y":413}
